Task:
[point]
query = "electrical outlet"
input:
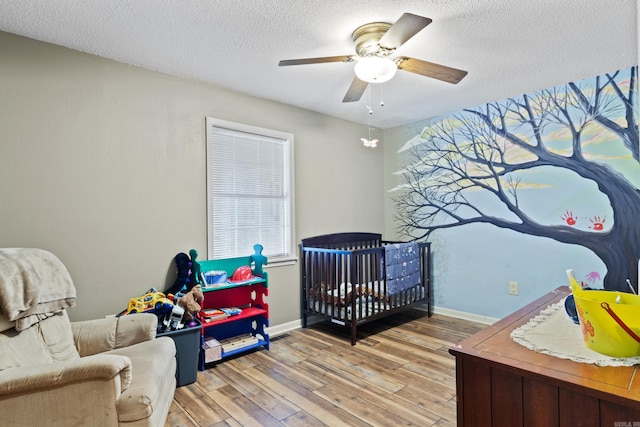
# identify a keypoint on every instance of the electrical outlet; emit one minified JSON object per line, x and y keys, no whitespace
{"x":513,"y":288}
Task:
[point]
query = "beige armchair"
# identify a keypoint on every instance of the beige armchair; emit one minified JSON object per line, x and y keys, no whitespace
{"x":53,"y":372}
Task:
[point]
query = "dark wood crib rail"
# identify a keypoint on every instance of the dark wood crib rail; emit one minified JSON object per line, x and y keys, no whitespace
{"x":353,"y":240}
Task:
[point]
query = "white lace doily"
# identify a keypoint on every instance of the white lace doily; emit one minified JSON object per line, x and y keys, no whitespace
{"x":552,"y":332}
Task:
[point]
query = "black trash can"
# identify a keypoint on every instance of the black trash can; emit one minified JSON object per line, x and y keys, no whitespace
{"x":187,"y":342}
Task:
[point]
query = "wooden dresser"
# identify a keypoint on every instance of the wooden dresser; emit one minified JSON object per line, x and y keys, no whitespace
{"x":501,"y":383}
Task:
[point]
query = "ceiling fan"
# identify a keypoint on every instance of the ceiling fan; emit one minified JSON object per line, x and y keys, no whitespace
{"x":374,"y":43}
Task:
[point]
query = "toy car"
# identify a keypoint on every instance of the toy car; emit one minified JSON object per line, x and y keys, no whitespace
{"x":152,"y":300}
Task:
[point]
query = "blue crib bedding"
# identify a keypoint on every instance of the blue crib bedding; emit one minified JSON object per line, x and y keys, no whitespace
{"x":402,"y":262}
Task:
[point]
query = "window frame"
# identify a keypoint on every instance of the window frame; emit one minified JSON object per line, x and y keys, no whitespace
{"x":290,"y":257}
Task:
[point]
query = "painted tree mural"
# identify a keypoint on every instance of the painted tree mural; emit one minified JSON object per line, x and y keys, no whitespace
{"x":479,"y":165}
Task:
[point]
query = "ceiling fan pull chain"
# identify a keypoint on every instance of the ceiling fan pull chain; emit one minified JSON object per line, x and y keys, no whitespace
{"x":369,"y":143}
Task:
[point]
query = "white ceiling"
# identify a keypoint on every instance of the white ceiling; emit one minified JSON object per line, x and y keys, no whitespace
{"x":509,"y":47}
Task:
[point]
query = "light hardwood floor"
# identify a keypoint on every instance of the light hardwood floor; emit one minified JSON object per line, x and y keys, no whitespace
{"x":399,"y":374}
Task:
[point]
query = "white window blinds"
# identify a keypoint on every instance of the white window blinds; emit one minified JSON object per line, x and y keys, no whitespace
{"x":249,"y":191}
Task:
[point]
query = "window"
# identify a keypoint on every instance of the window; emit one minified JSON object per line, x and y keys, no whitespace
{"x":249,"y":191}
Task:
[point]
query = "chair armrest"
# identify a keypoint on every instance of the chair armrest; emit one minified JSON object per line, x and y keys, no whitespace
{"x":37,"y":378}
{"x":100,"y":335}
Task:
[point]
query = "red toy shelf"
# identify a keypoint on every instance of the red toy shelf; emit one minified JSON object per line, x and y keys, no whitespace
{"x":241,"y":332}
{"x":241,"y":295}
{"x":247,"y":312}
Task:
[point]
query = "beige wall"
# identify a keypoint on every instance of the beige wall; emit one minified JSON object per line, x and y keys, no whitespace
{"x":394,"y":139}
{"x":103,"y":164}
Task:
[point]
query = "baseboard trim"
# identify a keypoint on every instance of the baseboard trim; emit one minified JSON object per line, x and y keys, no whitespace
{"x":283,"y":328}
{"x":485,"y":320}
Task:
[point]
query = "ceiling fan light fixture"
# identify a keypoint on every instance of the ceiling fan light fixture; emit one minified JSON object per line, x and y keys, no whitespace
{"x":375,"y":69}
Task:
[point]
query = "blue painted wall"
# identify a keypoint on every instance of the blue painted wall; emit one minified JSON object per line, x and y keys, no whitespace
{"x":523,"y":189}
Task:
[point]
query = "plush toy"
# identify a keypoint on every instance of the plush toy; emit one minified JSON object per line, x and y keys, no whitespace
{"x":191,"y":303}
{"x":183,"y":264}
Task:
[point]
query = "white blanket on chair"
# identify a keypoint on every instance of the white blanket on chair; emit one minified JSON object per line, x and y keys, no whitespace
{"x":33,"y":284}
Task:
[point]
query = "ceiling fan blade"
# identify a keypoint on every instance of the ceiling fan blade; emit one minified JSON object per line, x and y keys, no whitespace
{"x":430,"y":69}
{"x":355,"y":91}
{"x":404,"y":28}
{"x":343,"y":58}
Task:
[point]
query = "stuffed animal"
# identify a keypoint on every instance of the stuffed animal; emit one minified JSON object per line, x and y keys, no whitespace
{"x":191,"y":303}
{"x":183,"y":264}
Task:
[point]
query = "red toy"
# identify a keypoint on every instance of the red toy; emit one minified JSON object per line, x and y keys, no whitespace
{"x":242,"y":274}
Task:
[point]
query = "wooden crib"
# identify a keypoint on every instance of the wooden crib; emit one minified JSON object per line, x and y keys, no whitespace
{"x":346,"y":278}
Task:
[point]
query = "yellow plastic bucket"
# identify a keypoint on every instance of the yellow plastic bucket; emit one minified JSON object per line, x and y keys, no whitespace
{"x":610,"y":320}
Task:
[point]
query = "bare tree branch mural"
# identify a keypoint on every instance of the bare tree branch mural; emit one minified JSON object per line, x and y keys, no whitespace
{"x":621,"y":104}
{"x":475,"y":166}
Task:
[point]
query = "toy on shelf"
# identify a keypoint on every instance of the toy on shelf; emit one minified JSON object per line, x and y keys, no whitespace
{"x":232,"y":311}
{"x":242,"y":274}
{"x":215,"y":277}
{"x":219,"y":278}
{"x":211,"y":314}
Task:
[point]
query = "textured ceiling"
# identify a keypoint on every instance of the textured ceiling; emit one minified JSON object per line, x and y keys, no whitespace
{"x":509,"y":47}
